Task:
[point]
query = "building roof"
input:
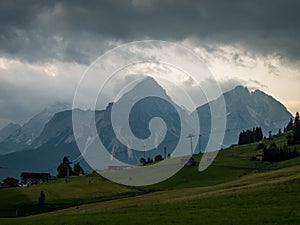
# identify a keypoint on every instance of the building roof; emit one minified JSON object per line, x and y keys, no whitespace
{"x":35,"y":175}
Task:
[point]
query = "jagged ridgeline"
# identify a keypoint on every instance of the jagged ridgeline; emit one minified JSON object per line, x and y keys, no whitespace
{"x":245,"y":110}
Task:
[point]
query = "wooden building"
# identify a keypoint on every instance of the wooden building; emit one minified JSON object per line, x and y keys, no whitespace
{"x":34,"y":178}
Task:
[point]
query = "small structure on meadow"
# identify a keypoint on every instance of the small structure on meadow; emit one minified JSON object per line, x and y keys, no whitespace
{"x":10,"y":182}
{"x":188,"y":162}
{"x":259,"y":156}
{"x":34,"y":178}
{"x":110,"y":168}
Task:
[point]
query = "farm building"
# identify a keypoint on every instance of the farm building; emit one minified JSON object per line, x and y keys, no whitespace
{"x":34,"y":178}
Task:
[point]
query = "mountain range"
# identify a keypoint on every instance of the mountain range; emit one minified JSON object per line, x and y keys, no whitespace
{"x":15,"y":138}
{"x":41,"y":143}
{"x":246,"y":110}
{"x":8,"y":130}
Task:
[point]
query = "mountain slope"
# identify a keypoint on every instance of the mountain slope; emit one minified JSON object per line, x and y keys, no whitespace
{"x":60,"y":126}
{"x":8,"y":130}
{"x":57,"y":136}
{"x":246,"y":110}
{"x":23,"y":137}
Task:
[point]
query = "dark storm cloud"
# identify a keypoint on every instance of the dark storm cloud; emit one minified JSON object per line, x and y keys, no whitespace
{"x":79,"y":30}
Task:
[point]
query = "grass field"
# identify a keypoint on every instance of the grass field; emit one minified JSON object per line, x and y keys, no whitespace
{"x":234,"y":190}
{"x":59,"y":194}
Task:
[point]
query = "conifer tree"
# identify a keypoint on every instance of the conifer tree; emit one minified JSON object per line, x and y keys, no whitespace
{"x":77,"y":170}
{"x":296,"y":130}
{"x":289,"y":126}
{"x":64,"y":169}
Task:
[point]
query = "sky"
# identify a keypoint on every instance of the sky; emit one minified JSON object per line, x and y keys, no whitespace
{"x":46,"y":46}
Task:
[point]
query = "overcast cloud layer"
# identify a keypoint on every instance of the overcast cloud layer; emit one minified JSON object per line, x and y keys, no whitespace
{"x":45,"y":46}
{"x":78,"y":30}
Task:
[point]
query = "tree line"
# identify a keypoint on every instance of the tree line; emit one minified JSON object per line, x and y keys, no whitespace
{"x":294,"y":126}
{"x":157,"y":158}
{"x":273,"y":153}
{"x":250,"y":136}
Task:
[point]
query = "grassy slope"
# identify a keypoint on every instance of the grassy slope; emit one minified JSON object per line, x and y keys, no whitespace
{"x":262,"y":198}
{"x":231,"y":191}
{"x":230,"y":164}
{"x":61,"y":195}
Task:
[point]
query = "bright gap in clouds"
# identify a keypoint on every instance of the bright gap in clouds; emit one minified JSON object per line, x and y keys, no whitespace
{"x":232,"y":65}
{"x":27,"y":88}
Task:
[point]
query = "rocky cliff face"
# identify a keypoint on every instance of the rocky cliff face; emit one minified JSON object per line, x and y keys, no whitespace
{"x":47,"y":142}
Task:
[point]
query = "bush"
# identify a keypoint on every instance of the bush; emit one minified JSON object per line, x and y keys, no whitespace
{"x":143,"y":161}
{"x":158,"y":158}
{"x":261,"y":145}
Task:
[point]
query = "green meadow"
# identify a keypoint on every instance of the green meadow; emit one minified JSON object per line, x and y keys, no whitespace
{"x":235,"y":189}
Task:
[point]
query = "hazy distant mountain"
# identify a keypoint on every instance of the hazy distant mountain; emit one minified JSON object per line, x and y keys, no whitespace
{"x":57,"y":138}
{"x":160,"y":105}
{"x":244,"y":110}
{"x":8,"y":130}
{"x":23,"y":137}
{"x":60,"y":126}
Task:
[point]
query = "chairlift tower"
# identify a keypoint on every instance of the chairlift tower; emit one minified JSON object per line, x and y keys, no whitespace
{"x":190,"y":136}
